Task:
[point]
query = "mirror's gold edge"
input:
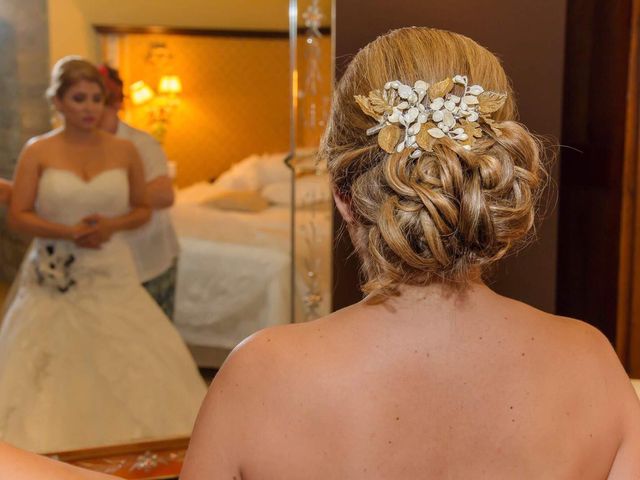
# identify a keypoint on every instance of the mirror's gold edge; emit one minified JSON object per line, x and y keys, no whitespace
{"x":173,"y":443}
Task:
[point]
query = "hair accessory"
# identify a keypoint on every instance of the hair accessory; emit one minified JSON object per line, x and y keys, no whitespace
{"x":112,"y":82}
{"x":429,"y":113}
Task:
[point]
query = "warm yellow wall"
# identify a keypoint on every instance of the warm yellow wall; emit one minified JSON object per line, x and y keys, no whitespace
{"x":70,"y":32}
{"x":235,"y":99}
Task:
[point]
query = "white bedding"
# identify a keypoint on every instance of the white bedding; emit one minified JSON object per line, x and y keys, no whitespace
{"x":233,"y":275}
{"x":234,"y":267}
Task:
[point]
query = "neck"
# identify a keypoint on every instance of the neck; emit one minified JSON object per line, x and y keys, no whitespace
{"x":79,"y":135}
{"x":438,"y":295}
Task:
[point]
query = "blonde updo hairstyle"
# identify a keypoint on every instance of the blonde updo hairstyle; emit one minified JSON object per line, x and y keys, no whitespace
{"x":452,"y":212}
{"x":70,"y":70}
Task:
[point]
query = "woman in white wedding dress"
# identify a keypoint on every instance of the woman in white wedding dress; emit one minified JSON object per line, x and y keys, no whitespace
{"x":86,"y":356}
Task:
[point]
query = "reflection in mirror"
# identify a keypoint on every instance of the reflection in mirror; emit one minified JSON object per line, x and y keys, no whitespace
{"x":225,"y":126}
{"x":214,"y":91}
{"x":87,"y":356}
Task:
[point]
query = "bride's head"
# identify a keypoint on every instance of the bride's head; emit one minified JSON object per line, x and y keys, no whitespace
{"x":432,"y":173}
{"x":77,"y":92}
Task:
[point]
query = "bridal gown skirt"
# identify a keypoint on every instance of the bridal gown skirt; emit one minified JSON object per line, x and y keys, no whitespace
{"x":96,"y":363}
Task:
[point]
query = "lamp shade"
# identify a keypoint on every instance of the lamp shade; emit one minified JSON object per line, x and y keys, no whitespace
{"x":140,"y":93}
{"x":170,"y":84}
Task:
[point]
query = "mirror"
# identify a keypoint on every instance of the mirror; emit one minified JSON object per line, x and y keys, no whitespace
{"x":237,"y":104}
{"x":227,"y":133}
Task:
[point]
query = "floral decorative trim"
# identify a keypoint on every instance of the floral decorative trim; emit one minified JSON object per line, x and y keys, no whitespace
{"x":421,"y":116}
{"x":146,"y":465}
{"x":52,"y":265}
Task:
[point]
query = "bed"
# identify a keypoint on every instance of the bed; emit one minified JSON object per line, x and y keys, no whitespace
{"x":234,"y":272}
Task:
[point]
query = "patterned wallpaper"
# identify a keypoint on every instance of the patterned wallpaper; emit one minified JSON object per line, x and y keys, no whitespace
{"x":235,"y":99}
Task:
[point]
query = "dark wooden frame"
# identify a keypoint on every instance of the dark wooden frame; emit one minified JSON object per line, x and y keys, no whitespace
{"x":598,"y":40}
{"x":628,"y":317}
{"x":201,"y":32}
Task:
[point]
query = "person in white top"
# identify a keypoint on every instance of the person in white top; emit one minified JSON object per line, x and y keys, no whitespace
{"x":155,"y":245}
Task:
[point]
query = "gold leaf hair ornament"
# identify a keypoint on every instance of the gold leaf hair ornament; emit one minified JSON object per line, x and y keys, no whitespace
{"x":419,"y":117}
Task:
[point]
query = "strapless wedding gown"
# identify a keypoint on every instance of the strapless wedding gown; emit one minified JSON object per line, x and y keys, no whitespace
{"x":87,"y":358}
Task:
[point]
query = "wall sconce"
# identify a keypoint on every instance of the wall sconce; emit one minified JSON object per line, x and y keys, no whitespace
{"x":170,"y":85}
{"x":141,"y":93}
{"x":161,"y":105}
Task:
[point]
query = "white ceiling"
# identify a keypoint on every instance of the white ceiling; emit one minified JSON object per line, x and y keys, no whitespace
{"x":210,"y":14}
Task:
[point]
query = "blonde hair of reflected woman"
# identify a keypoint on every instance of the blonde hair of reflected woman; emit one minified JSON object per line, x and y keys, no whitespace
{"x":70,"y":70}
{"x":452,"y":212}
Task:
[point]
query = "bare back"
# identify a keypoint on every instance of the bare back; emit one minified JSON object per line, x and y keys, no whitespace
{"x":428,"y":387}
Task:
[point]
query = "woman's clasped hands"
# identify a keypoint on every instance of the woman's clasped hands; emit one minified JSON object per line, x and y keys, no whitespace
{"x":92,"y":231}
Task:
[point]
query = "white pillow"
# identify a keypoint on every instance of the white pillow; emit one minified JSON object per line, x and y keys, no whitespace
{"x":195,"y":193}
{"x":310,"y":189}
{"x":272,"y":169}
{"x":251,"y":202}
{"x":242,"y":176}
{"x":254,"y":173}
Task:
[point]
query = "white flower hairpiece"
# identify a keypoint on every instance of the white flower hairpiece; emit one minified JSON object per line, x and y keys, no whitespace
{"x":429,"y":113}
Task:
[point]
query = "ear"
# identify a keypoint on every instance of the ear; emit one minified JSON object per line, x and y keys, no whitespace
{"x":343,"y":206}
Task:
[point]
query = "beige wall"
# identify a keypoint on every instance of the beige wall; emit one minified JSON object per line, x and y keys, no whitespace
{"x":71,"y":31}
{"x":216,"y":14}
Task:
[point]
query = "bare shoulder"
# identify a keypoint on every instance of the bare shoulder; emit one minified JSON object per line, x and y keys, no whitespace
{"x":121,"y":148}
{"x":586,"y":337}
{"x":252,"y":386}
{"x":266,"y":353}
{"x":116,"y":142}
{"x":249,"y":395}
{"x":41,"y":143}
{"x":580,"y":340}
{"x":284,"y":343}
{"x":573,"y":342}
{"x":585,"y":352}
{"x":592,"y":351}
{"x":270,"y":362}
{"x":571,"y":333}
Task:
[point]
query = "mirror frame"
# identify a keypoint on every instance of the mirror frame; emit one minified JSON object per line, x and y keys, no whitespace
{"x":151,"y":460}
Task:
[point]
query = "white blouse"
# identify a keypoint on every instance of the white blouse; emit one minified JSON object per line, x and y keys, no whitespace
{"x":155,"y":244}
